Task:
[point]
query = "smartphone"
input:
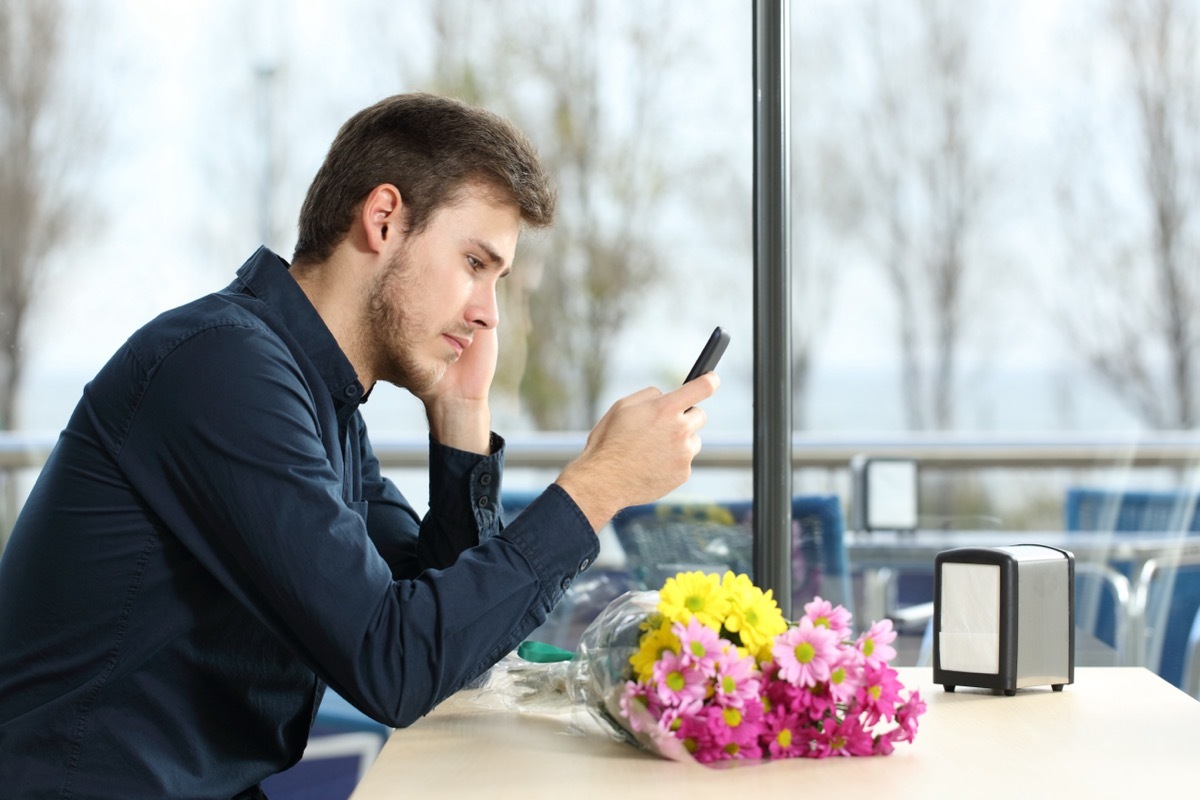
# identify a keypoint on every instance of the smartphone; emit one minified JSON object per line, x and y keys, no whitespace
{"x":710,"y":355}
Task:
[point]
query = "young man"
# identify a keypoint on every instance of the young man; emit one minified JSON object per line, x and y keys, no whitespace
{"x":211,"y":543}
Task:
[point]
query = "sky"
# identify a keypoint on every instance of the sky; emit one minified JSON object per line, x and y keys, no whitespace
{"x":174,"y":80}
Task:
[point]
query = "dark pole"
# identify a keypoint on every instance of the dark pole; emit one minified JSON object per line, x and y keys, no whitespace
{"x":772,"y":305}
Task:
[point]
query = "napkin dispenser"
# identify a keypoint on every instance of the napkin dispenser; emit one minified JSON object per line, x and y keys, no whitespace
{"x":1004,"y":617}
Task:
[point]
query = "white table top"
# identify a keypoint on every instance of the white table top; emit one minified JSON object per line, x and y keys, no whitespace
{"x":1115,"y":732}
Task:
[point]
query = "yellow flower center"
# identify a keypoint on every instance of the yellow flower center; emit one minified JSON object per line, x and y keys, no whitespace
{"x":868,"y":647}
{"x":805,"y":652}
{"x":733,"y":717}
{"x":675,"y":681}
{"x":838,"y":675}
{"x":784,"y":737}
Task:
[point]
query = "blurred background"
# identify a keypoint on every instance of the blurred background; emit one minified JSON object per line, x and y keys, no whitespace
{"x":995,"y":232}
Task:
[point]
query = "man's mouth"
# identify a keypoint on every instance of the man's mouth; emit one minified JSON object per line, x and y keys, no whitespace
{"x":457,"y":343}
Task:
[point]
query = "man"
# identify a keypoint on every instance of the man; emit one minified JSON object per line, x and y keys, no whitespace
{"x":211,"y":543}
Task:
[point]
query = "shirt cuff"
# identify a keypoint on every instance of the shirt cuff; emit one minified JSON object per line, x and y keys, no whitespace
{"x":465,"y":486}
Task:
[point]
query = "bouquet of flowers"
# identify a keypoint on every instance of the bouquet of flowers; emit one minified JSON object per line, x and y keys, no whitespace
{"x":708,"y":669}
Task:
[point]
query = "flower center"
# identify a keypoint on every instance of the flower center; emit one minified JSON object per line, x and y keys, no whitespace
{"x":728,"y":684}
{"x":733,"y":717}
{"x":698,"y":649}
{"x":694,"y":603}
{"x":675,"y":681}
{"x":868,"y":647}
{"x":838,"y":675}
{"x":805,"y":652}
{"x":784,"y":738}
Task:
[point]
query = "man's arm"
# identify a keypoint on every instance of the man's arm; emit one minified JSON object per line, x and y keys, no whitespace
{"x":639,"y":451}
{"x":243,"y":479}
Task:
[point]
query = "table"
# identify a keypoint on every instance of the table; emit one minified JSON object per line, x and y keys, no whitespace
{"x":879,"y":553}
{"x":1115,"y":732}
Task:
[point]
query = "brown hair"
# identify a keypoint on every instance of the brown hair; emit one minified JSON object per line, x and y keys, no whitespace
{"x":430,"y":148}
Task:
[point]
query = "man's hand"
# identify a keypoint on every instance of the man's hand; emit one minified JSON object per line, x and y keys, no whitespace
{"x":457,"y":406}
{"x":640,"y":450}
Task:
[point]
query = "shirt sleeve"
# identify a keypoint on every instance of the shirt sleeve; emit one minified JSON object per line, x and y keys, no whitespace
{"x":464,"y":505}
{"x":226,"y":446}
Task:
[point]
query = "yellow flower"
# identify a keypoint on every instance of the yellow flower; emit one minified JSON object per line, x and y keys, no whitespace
{"x":694,"y":594}
{"x":753,"y":615}
{"x":651,"y":646}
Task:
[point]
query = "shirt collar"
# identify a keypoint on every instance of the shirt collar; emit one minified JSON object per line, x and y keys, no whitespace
{"x":265,"y":276}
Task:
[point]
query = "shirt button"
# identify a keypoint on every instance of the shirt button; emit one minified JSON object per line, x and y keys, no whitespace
{"x":584,"y":564}
{"x":486,"y":479}
{"x":566,"y":584}
{"x":483,"y":502}
{"x":351,"y":391}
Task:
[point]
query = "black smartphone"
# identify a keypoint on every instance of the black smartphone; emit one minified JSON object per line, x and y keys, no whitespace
{"x":710,"y":355}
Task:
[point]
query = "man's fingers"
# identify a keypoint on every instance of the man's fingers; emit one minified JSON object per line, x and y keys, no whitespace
{"x":694,"y":391}
{"x":649,"y":393}
{"x":695,"y":417}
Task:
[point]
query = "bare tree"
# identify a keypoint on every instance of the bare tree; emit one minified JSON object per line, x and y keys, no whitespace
{"x":924,"y":191}
{"x":824,"y":206}
{"x":46,"y":137}
{"x":552,"y":69}
{"x":1134,"y":226}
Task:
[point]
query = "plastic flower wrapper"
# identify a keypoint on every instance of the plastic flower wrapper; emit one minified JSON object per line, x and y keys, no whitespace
{"x":707,"y":669}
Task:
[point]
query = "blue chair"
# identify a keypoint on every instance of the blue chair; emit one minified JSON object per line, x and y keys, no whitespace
{"x":1191,"y":671}
{"x":343,"y":743}
{"x":1173,"y":600}
{"x":661,"y":539}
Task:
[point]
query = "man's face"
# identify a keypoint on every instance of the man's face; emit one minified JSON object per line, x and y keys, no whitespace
{"x":438,"y":289}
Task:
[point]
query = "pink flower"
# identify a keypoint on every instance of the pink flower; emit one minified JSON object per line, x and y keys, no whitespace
{"x":825,"y":615}
{"x":845,"y":676}
{"x":677,"y":684}
{"x":700,"y":645}
{"x":846,"y":738}
{"x":778,"y":693}
{"x":784,"y":734}
{"x":906,"y":717}
{"x":876,"y":643}
{"x":736,"y":679}
{"x":879,"y":692}
{"x":804,"y":653}
{"x":735,"y":732}
{"x":638,"y":707}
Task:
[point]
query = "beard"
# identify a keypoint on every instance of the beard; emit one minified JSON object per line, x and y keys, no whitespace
{"x":392,"y":324}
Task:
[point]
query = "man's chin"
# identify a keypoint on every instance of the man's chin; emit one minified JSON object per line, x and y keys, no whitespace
{"x":420,"y":382}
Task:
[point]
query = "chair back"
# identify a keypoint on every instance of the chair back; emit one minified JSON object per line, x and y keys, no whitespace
{"x":1171,"y":601}
{"x":661,"y":539}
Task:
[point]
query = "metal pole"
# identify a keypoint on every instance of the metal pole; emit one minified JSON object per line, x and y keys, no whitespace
{"x":772,"y":305}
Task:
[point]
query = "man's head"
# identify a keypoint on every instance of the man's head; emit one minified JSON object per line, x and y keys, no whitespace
{"x":431,"y":149}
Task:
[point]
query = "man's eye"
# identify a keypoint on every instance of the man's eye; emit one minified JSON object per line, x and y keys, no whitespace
{"x":474,"y":263}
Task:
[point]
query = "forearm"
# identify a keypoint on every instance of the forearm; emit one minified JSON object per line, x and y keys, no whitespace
{"x":592,"y":493}
{"x":461,"y":424}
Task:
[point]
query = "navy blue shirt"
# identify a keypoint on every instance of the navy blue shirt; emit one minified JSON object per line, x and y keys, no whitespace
{"x":211,"y":542}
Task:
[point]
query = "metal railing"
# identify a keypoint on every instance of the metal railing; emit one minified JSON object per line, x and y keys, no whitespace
{"x":1180,"y":450}
{"x":20,"y":450}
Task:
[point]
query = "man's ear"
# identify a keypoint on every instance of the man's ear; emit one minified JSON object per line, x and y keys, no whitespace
{"x":381,"y":216}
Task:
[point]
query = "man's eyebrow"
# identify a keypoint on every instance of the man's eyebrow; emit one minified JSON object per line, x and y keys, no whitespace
{"x":493,"y":258}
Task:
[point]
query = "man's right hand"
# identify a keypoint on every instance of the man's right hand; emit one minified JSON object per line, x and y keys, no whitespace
{"x":640,"y":450}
